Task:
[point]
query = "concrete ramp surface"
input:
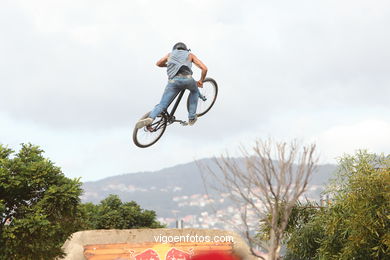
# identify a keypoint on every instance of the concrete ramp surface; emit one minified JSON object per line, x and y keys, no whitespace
{"x":151,"y":244}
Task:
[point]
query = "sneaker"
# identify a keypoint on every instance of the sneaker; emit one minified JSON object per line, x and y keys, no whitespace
{"x":192,"y":121}
{"x":144,"y":122}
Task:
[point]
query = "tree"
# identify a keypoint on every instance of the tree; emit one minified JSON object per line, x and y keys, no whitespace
{"x":304,"y":232}
{"x":356,"y":224}
{"x":38,"y":205}
{"x":269,"y":183}
{"x":112,"y":213}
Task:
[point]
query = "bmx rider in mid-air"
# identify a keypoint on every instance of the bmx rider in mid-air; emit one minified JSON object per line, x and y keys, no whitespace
{"x":178,"y":63}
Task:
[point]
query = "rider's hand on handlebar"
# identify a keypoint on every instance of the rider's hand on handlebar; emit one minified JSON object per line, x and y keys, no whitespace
{"x":200,"y":83}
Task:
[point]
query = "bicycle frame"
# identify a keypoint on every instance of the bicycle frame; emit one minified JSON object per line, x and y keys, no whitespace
{"x":170,"y":116}
{"x":179,"y":97}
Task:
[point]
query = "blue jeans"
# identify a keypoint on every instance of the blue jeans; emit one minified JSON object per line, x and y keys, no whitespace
{"x":174,"y":86}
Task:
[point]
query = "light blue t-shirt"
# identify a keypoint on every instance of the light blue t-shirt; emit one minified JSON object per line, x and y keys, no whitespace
{"x":176,"y":60}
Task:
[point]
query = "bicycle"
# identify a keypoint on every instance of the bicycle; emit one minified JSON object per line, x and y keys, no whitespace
{"x":149,"y":135}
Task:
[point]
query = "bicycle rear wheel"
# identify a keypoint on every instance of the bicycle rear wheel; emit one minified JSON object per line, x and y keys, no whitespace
{"x":208,"y":96}
{"x":149,"y":135}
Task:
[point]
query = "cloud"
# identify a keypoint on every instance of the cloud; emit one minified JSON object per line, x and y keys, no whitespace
{"x":372,"y":135}
{"x":284,"y":68}
{"x":90,"y":64}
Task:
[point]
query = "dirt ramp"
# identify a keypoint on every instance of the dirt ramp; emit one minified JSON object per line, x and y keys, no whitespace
{"x":157,"y":244}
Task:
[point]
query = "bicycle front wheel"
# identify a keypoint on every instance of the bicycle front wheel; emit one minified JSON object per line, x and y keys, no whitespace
{"x":208,"y":95}
{"x":149,"y":135}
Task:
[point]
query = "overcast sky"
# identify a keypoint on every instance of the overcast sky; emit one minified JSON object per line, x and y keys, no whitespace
{"x":76,"y":75}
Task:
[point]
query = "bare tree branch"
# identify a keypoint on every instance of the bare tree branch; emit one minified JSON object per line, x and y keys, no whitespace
{"x":266,"y":184}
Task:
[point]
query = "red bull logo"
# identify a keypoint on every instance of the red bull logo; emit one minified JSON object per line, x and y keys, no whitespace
{"x":153,"y":251}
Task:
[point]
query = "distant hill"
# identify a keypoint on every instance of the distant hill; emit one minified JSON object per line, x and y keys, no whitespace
{"x":175,"y":192}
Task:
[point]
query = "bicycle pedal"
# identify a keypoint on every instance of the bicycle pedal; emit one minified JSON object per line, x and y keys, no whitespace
{"x":202,"y":97}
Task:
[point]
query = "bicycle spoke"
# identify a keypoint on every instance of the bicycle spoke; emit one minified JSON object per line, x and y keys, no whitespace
{"x":148,"y":135}
{"x":209,"y":92}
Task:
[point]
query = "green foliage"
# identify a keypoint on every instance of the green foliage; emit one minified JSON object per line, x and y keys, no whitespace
{"x":299,"y":231}
{"x":112,"y":213}
{"x":305,"y":241}
{"x":38,"y":205}
{"x":356,"y":224}
{"x":299,"y":216}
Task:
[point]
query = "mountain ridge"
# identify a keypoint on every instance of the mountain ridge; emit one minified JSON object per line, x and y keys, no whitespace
{"x":177,"y":191}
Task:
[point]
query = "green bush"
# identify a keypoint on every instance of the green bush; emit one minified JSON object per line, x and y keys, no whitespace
{"x":356,"y":224}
